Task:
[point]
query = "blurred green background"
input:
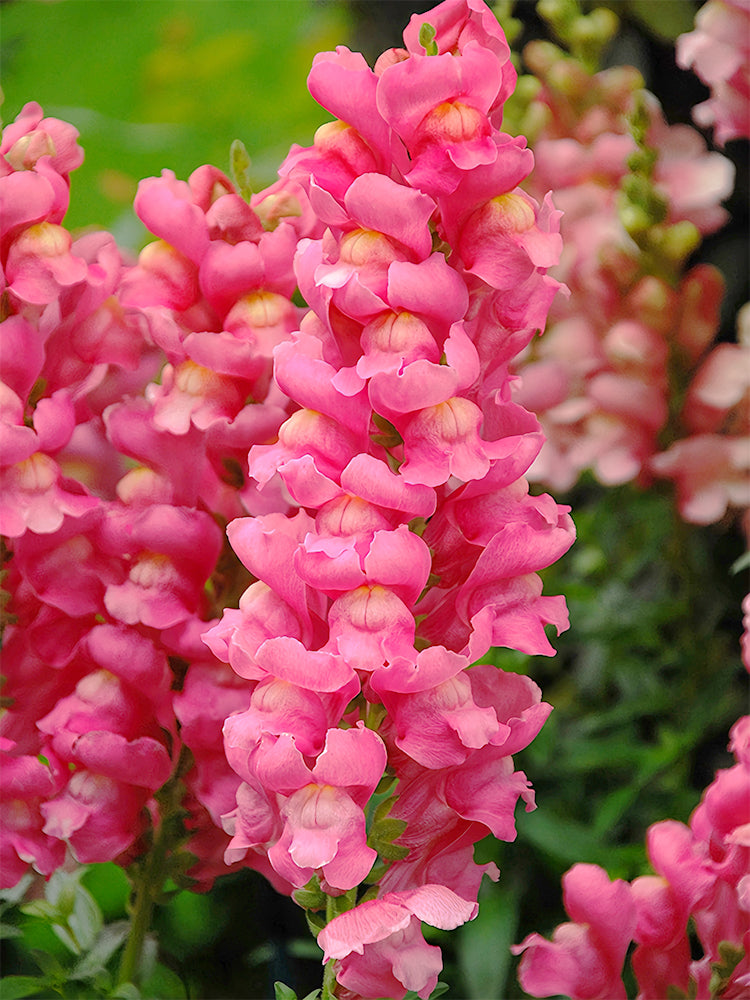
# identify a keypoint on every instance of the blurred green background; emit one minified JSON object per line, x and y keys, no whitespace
{"x":165,"y":83}
{"x":647,"y":681}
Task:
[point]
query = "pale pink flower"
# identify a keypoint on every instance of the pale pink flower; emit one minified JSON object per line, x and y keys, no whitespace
{"x":718,"y":50}
{"x":710,"y":472}
{"x":440,"y":108}
{"x":37,"y":155}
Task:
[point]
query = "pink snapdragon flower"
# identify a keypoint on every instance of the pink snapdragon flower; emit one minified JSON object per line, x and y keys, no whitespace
{"x":585,"y":957}
{"x":701,"y":877}
{"x":308,"y":819}
{"x":710,"y":465}
{"x":27,"y":784}
{"x":718,"y":50}
{"x":379,"y":947}
{"x":37,"y":155}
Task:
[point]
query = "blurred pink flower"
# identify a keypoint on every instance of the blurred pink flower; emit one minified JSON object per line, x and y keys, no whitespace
{"x":718,"y":50}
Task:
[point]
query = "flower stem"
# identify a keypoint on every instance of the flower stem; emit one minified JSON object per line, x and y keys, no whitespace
{"x":140,"y":921}
{"x":329,"y":970}
{"x":149,"y":874}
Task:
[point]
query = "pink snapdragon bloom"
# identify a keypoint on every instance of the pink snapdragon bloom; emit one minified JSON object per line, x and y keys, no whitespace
{"x":710,"y":473}
{"x":585,"y":957}
{"x":710,"y":465}
{"x":379,"y":948}
{"x":27,"y":784}
{"x":701,"y":878}
{"x":718,"y":50}
{"x":307,"y":819}
{"x":598,"y":379}
{"x":37,"y":155}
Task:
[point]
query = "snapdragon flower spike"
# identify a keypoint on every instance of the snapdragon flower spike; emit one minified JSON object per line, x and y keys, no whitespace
{"x":110,"y":566}
{"x":598,"y":380}
{"x":415,"y":545}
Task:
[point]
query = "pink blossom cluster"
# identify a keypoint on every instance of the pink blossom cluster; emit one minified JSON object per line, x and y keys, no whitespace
{"x":600,"y":378}
{"x":690,"y":921}
{"x":368,"y":458}
{"x":414,"y":545}
{"x":85,"y":737}
{"x":628,"y":380}
{"x":131,"y":394}
{"x":718,"y":50}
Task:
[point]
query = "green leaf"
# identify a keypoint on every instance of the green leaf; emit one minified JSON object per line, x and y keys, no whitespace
{"x":665,"y":20}
{"x":85,"y":921}
{"x":384,"y":830}
{"x":282,"y":992}
{"x":106,"y":944}
{"x":9,"y":931}
{"x":484,"y":952}
{"x":439,"y":990}
{"x":15,"y":894}
{"x":315,"y":921}
{"x":164,"y":983}
{"x":310,"y":896}
{"x":15,"y":987}
{"x":730,"y":956}
{"x":50,"y":966}
{"x":126,"y":991}
{"x":110,"y":887}
{"x":70,"y":909}
{"x":240,"y":166}
{"x":740,"y":564}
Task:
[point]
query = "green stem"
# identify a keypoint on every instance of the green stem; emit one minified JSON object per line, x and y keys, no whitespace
{"x":148,"y":876}
{"x":140,"y":921}
{"x":329,"y":970}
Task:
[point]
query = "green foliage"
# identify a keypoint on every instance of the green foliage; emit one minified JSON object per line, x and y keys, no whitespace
{"x":484,"y":943}
{"x":240,"y":167}
{"x":75,"y":952}
{"x":283,"y":992}
{"x":181,"y":82}
{"x":664,"y":20}
{"x":70,"y":909}
{"x":383,"y":830}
